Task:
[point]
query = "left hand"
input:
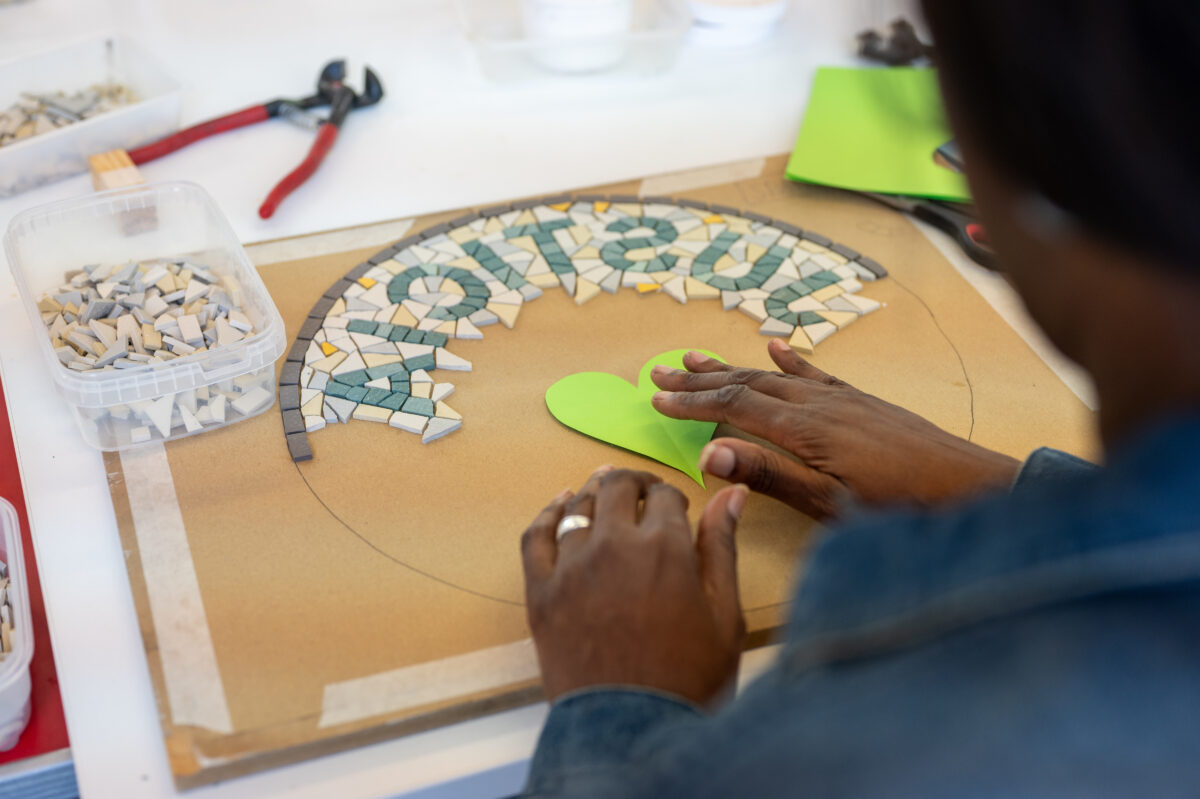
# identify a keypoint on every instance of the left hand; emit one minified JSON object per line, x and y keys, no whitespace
{"x":631,"y":600}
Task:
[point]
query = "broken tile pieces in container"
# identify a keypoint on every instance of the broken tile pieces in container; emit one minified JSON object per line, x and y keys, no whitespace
{"x":36,"y":113}
{"x":171,"y":334}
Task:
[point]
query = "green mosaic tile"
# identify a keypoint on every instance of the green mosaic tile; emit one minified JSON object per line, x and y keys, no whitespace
{"x":810,"y":318}
{"x":387,"y":370}
{"x":401,"y":384}
{"x":434,"y":338}
{"x":420,"y":362}
{"x":418,"y":405}
{"x":355,"y":378}
{"x":356,"y":394}
{"x":394,"y":401}
{"x":360,"y":326}
{"x":335,"y":389}
{"x":376,"y":396}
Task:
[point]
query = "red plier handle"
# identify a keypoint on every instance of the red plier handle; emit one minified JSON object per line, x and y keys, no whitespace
{"x":326,"y":136}
{"x":238,"y":119}
{"x":332,"y":91}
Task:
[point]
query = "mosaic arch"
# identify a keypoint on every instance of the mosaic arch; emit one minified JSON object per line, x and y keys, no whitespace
{"x":372,"y":344}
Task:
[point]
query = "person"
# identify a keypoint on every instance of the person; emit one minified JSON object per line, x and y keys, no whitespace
{"x":969,"y":625}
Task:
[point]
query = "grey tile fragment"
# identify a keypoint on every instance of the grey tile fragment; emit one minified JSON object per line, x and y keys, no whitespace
{"x":293,"y":422}
{"x":289,"y":375}
{"x":686,"y":203}
{"x":789,"y":228}
{"x":726,"y":209}
{"x":591,"y":198}
{"x":846,"y":252}
{"x":658,"y":200}
{"x":289,"y":397}
{"x":337,"y":289}
{"x":495,"y":210}
{"x":406,"y":242}
{"x":817,"y":238}
{"x":872,"y":265}
{"x":521,"y":205}
{"x":298,"y":447}
{"x":381,"y":256}
{"x":625,"y":198}
{"x":362,"y":269}
{"x":436,"y":230}
{"x":322,"y":306}
{"x":465,"y":219}
{"x":299,"y":350}
{"x":309,"y":328}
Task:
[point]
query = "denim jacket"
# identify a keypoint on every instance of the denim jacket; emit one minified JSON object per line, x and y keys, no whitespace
{"x":1041,"y":643}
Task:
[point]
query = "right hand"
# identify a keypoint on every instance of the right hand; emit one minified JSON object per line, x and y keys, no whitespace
{"x":848,"y":444}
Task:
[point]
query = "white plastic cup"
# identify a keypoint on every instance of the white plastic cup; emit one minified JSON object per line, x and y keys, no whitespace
{"x":578,"y":35}
{"x":735,"y":23}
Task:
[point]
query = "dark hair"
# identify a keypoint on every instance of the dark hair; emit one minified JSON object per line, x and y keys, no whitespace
{"x":1094,"y":103}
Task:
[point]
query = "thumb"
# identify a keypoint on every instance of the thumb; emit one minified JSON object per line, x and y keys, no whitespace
{"x":778,"y":476}
{"x":716,"y":550}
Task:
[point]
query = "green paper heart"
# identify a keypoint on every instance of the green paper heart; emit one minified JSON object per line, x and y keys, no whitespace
{"x":606,"y":407}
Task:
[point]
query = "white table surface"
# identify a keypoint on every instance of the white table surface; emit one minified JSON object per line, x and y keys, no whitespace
{"x":444,"y":138}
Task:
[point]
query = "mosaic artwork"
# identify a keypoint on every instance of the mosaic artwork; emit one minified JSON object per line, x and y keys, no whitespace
{"x":370,"y":346}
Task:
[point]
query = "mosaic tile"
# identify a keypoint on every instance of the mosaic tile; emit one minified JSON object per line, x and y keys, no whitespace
{"x":368,"y":347}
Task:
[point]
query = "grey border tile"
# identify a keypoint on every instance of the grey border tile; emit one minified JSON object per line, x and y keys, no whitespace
{"x":289,"y":398}
{"x":298,"y":447}
{"x":289,"y":375}
{"x":845,"y":252}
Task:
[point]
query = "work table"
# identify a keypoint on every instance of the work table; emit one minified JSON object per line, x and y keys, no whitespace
{"x":443,"y":138}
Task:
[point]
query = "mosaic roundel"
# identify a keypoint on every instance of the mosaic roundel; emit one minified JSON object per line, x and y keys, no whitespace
{"x":372,"y":344}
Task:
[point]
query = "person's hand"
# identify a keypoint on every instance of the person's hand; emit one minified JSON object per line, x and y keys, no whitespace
{"x":631,"y":600}
{"x":847,"y":444}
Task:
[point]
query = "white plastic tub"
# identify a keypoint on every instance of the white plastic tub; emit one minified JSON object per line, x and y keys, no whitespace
{"x":45,"y":242}
{"x":64,"y":151}
{"x":510,"y":50}
{"x":14,"y":670}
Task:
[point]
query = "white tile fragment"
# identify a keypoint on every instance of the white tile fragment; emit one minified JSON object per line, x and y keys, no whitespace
{"x":439,"y":427}
{"x":254,"y":400}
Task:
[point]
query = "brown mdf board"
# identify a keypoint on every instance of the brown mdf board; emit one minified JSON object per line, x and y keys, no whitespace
{"x":376,"y":590}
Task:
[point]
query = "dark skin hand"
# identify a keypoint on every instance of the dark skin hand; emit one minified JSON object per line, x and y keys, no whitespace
{"x":633,"y":600}
{"x":847,"y":444}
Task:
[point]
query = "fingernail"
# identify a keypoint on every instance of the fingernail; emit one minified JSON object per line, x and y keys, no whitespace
{"x":661,"y":370}
{"x":566,"y":492}
{"x":602,"y":469}
{"x":660,"y":396}
{"x":717,"y":460}
{"x":738,"y":501}
{"x":697,"y":357}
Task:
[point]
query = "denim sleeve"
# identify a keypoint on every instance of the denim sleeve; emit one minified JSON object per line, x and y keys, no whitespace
{"x":594,"y":740}
{"x":1048,"y":464}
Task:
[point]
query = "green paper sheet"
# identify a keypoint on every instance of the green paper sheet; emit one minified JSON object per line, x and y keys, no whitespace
{"x":606,"y":407}
{"x":876,"y":130}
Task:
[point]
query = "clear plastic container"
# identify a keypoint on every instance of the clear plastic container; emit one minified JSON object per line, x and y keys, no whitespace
{"x":64,"y":151}
{"x":14,"y":669}
{"x":163,"y":220}
{"x":509,"y":52}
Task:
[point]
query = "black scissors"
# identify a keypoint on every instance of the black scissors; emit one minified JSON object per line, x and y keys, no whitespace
{"x":966,"y":231}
